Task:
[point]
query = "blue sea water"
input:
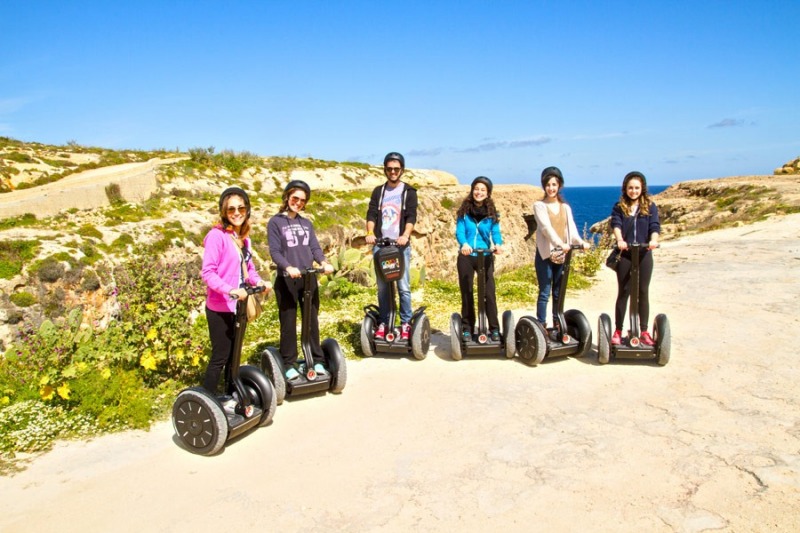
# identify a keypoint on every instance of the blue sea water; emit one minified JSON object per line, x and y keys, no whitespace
{"x":593,"y":204}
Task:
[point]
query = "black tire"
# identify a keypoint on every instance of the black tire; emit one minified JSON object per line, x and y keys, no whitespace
{"x":421,"y":337}
{"x":603,"y":339}
{"x":261,"y":392}
{"x":367,"y":334}
{"x":662,"y":338}
{"x":530,"y":341}
{"x":455,"y":337}
{"x":579,"y":328}
{"x":272,"y":366}
{"x":509,"y":338}
{"x":335,"y":362}
{"x":199,"y":421}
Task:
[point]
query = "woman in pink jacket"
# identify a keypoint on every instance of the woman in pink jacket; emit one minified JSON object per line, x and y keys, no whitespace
{"x":227,"y":267}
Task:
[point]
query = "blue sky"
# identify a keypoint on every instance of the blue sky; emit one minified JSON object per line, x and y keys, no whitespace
{"x":679,"y":90}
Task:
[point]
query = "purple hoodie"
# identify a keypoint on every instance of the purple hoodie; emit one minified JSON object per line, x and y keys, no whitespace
{"x":222,"y":269}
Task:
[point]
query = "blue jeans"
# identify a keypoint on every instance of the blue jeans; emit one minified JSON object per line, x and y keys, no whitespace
{"x":403,"y":287}
{"x":548,"y":274}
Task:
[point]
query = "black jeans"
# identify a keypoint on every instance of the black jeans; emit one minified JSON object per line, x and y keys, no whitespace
{"x":289,"y":295}
{"x":221,"y":327}
{"x":466,"y":266}
{"x":624,"y":288}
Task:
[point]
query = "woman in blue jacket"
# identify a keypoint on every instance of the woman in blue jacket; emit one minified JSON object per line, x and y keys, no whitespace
{"x":477,"y":227}
{"x":634,"y":219}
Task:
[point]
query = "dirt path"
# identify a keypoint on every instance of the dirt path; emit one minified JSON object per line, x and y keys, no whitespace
{"x":84,"y":190}
{"x":709,"y":442}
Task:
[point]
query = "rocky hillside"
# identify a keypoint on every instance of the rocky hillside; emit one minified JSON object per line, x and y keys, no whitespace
{"x":61,"y":238}
{"x":704,"y":205}
{"x":792,"y":167}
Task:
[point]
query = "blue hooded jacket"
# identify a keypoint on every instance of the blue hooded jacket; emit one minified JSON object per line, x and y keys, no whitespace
{"x":484,"y":234}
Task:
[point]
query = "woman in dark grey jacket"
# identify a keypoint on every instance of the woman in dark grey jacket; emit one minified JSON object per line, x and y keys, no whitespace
{"x":294,"y":247}
{"x":634,"y":219}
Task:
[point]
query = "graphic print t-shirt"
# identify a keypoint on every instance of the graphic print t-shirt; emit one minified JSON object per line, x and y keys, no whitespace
{"x":390,"y":211}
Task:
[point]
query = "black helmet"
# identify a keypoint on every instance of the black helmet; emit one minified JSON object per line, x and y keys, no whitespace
{"x":395,"y":156}
{"x":635,"y":174}
{"x":552,"y":172}
{"x":297,"y":184}
{"x":482,"y":179}
{"x":238,"y":191}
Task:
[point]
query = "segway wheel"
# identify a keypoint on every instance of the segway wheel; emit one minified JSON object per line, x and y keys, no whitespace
{"x":455,"y":337}
{"x":272,"y":366}
{"x":367,"y":334}
{"x":261,"y":392}
{"x":530,"y":340}
{"x":603,"y":339}
{"x":421,"y":337}
{"x":509,"y":338}
{"x":663,"y":341}
{"x":199,"y":421}
{"x":578,"y":327}
{"x":334,"y":360}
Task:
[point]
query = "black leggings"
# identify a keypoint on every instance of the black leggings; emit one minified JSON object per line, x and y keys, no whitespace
{"x":289,"y":294}
{"x":466,"y":266}
{"x":624,"y":288}
{"x":220,"y":329}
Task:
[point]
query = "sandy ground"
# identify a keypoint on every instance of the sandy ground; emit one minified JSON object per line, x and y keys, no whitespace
{"x":709,"y":442}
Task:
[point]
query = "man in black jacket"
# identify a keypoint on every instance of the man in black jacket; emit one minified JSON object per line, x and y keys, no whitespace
{"x":392,"y":214}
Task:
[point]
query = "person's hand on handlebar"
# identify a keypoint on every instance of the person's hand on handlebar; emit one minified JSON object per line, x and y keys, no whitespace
{"x":294,"y":272}
{"x":586,"y":245}
{"x":621,"y":244}
{"x":238,"y":294}
{"x":327,"y":268}
{"x":652,"y":245}
{"x":402,"y":240}
{"x":497,"y":250}
{"x":466,"y":249}
{"x":267,"y":286}
{"x":370,"y":238}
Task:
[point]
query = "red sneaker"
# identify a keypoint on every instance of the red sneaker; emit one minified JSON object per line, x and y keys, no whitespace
{"x":405,"y":331}
{"x":647,"y":340}
{"x":380,"y":333}
{"x":617,"y":337}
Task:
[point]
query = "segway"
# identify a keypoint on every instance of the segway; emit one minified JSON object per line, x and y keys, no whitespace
{"x":632,"y":346}
{"x":204,"y":422}
{"x":309,"y":381}
{"x":480,"y":342}
{"x":390,"y":265}
{"x":571,"y":334}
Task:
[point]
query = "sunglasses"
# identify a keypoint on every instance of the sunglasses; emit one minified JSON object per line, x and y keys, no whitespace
{"x":392,"y":170}
{"x":297,"y":200}
{"x":232,"y":209}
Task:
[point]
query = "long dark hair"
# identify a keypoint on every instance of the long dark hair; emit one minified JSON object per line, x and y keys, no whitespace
{"x":469,"y":205}
{"x":644,"y":201}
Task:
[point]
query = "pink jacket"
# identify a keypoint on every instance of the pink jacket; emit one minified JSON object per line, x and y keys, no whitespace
{"x":222,"y":269}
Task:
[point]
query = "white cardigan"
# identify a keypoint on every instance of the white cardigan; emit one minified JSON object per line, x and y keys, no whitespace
{"x":546,"y":234}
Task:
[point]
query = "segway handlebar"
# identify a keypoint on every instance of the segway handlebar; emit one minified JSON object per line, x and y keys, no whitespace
{"x":385,"y":241}
{"x":484,"y":251}
{"x":637,"y":245}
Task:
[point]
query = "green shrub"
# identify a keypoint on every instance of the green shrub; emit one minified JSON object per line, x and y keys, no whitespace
{"x":117,"y":401}
{"x":26,"y":220}
{"x":88,"y":230}
{"x":90,"y":282}
{"x":22,"y":299}
{"x":114,"y":194}
{"x":49,"y":270}
{"x":14,"y":254}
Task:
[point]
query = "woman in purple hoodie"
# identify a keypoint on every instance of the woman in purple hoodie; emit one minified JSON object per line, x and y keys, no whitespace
{"x":227,"y":267}
{"x":294,"y":247}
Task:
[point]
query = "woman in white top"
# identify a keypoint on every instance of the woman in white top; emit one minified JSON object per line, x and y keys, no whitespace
{"x":555,"y":230}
